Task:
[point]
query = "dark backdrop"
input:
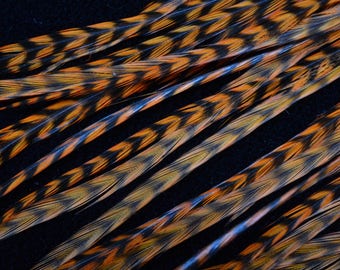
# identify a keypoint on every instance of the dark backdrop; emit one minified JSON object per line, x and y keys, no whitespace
{"x":21,"y":19}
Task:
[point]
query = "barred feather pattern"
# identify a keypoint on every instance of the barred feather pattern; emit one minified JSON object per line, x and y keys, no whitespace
{"x":289,"y":150}
{"x":290,"y":220}
{"x":92,"y":132}
{"x":241,"y":64}
{"x":162,"y":180}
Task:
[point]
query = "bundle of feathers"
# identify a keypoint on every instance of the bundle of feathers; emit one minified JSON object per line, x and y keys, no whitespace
{"x":105,"y":125}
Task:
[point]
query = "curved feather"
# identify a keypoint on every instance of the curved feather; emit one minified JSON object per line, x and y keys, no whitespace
{"x":318,"y":222}
{"x":276,"y":29}
{"x":76,"y":176}
{"x":120,"y":151}
{"x":225,"y":239}
{"x":320,"y":247}
{"x":92,"y":132}
{"x":37,"y":127}
{"x":298,"y":144}
{"x":171,"y":174}
{"x":198,"y":118}
{"x":288,"y":223}
{"x":46,"y":128}
{"x":51,"y":51}
{"x":231,"y":205}
{"x":165,"y":68}
{"x":185,"y":37}
{"x":223,"y":23}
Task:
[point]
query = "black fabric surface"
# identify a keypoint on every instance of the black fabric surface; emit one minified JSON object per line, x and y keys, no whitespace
{"x":23,"y":19}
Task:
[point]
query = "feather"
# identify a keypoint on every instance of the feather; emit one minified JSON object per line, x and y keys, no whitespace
{"x":277,"y":53}
{"x":161,"y":69}
{"x":107,"y":123}
{"x":288,"y":150}
{"x":14,"y":135}
{"x":288,"y":223}
{"x":49,"y":51}
{"x":210,"y":250}
{"x":278,"y":252}
{"x":230,"y":205}
{"x":171,"y":174}
{"x":324,"y":246}
{"x":290,"y":220}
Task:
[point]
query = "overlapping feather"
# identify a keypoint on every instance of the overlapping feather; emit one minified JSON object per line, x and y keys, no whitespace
{"x":275,"y":52}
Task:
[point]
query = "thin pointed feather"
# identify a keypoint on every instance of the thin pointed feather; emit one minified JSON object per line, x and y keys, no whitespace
{"x":122,"y":211}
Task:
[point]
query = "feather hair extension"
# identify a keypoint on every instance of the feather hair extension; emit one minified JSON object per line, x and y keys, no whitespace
{"x":214,"y":247}
{"x":46,"y":128}
{"x":54,"y":118}
{"x":119,"y":176}
{"x":120,"y":151}
{"x":212,"y":24}
{"x":122,"y":115}
{"x":149,"y":45}
{"x":91,"y":257}
{"x":166,"y":238}
{"x":225,"y":70}
{"x":180,"y":39}
{"x":319,"y":221}
{"x":98,"y":128}
{"x":290,"y":221}
{"x":224,"y":240}
{"x":311,"y":135}
{"x":232,"y":204}
{"x":101,"y":78}
{"x":63,"y":206}
{"x":48,"y":52}
{"x":171,"y":174}
{"x":99,"y":184}
{"x":289,"y":150}
{"x":320,"y":247}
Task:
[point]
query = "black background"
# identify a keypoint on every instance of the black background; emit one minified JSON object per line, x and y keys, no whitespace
{"x":23,"y":19}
